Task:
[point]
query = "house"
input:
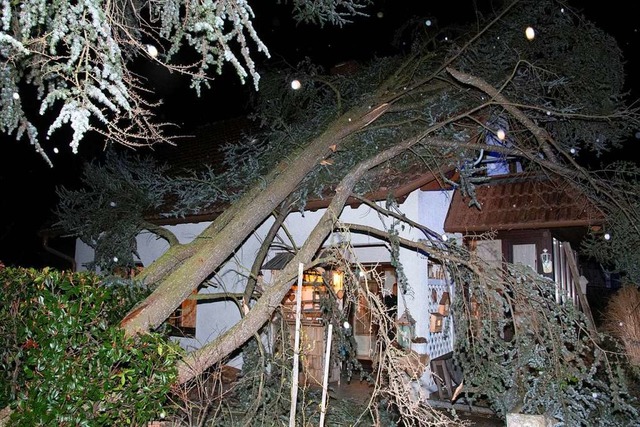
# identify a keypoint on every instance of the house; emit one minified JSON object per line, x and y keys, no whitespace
{"x":535,"y":221}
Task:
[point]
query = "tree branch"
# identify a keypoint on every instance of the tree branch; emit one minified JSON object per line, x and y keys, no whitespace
{"x":541,"y":135}
{"x":196,"y":362}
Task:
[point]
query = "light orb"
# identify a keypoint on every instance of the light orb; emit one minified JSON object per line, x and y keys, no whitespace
{"x":530,"y":33}
{"x":295,"y":85}
{"x":152,"y":51}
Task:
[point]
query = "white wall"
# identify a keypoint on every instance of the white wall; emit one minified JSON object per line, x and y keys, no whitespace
{"x":214,"y":318}
{"x":429,"y":208}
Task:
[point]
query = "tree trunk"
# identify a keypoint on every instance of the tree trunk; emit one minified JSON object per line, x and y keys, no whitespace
{"x":197,"y":361}
{"x":216,"y":243}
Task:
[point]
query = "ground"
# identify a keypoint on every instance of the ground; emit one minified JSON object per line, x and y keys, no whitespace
{"x":360,"y":392}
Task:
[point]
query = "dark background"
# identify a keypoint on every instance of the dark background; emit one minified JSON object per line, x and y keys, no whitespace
{"x":28,"y":184}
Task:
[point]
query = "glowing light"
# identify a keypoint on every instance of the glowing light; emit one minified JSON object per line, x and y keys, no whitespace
{"x":501,"y":135}
{"x":295,"y":85}
{"x":607,"y":236}
{"x":428,"y":23}
{"x":572,"y":151}
{"x":346,"y":325}
{"x":16,"y":95}
{"x":112,"y":204}
{"x":55,"y":150}
{"x":115,"y":259}
{"x":380,"y":15}
{"x":152,"y":51}
{"x":530,"y":33}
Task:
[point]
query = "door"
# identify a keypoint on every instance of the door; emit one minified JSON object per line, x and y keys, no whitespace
{"x":379,"y":280}
{"x":525,"y":246}
{"x":364,"y":330}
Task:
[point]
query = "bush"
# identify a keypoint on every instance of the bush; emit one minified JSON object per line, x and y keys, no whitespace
{"x":65,"y":362}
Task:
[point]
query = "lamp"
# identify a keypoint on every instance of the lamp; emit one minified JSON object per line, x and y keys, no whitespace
{"x":547,"y":264}
{"x":337,"y":280}
{"x":406,"y":329}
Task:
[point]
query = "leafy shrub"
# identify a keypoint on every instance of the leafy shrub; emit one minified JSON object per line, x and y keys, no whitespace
{"x":65,"y":362}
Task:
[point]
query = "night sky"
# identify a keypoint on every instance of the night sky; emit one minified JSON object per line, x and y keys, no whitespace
{"x":28,"y":183}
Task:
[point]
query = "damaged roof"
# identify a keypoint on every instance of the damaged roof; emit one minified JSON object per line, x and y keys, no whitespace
{"x":516,"y":202}
{"x":508,"y":202}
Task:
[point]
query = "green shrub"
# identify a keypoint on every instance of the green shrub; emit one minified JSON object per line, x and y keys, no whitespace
{"x":65,"y":362}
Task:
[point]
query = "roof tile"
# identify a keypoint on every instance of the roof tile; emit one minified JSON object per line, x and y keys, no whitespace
{"x":522,"y":202}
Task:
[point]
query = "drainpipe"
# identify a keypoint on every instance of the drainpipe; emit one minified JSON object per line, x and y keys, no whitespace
{"x":45,"y":245}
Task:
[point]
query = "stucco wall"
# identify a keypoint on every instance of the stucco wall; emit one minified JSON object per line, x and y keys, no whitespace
{"x":428,"y":208}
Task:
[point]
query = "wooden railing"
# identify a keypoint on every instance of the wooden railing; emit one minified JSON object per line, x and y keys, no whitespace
{"x":567,"y":278}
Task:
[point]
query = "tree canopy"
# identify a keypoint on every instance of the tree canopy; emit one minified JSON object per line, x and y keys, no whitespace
{"x":439,"y":107}
{"x":536,"y":90}
{"x":77,"y":60}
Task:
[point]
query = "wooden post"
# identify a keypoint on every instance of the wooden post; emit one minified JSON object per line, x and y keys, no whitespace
{"x":296,"y":351}
{"x":325,"y":381}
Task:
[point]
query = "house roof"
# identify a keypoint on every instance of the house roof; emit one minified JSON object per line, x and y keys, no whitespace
{"x":391,"y":183}
{"x":508,"y":203}
{"x":516,"y":202}
{"x":395,"y":185}
{"x":203,"y":145}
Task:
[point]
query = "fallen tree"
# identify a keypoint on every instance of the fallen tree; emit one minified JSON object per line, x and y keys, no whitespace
{"x":435,"y":109}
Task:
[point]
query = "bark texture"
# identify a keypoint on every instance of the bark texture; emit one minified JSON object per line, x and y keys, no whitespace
{"x":216,"y":243}
{"x":196,"y":362}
